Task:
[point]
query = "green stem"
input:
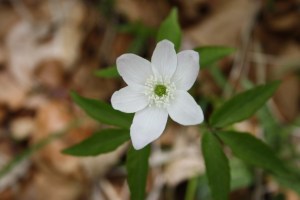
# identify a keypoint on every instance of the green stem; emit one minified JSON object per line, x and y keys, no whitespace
{"x":191,"y":189}
{"x":34,"y":148}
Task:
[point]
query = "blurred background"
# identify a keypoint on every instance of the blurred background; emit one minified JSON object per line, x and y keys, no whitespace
{"x":50,"y":47}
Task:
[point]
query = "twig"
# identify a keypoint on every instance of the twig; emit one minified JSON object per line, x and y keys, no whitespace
{"x":260,"y":67}
{"x":109,"y":190}
{"x":239,"y":65}
{"x":259,"y":187}
{"x":39,"y":145}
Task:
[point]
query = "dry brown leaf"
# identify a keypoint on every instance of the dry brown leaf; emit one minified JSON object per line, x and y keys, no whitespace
{"x":287,"y":97}
{"x":50,"y":73}
{"x":54,"y":117}
{"x":25,"y":46}
{"x":52,"y":186}
{"x":184,"y":160}
{"x":22,"y":127}
{"x":150,"y":13}
{"x":291,"y":195}
{"x":91,"y":86}
{"x":3,"y":57}
{"x":12,"y":93}
{"x":188,"y":161}
{"x":225,"y":25}
{"x":246,"y":126}
{"x":8,"y":18}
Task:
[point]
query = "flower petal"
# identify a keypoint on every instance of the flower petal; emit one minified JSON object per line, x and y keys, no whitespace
{"x":134,"y":69}
{"x":147,"y":125}
{"x":184,"y":109}
{"x":164,"y":59}
{"x":187,"y":69}
{"x":129,"y":99}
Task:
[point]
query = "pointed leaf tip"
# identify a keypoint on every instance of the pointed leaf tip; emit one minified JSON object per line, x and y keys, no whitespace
{"x":170,"y":29}
{"x":211,"y":54}
{"x":99,"y":143}
{"x":102,"y":111}
{"x":243,"y":105}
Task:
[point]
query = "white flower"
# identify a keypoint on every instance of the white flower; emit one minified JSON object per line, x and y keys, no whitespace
{"x":157,"y":89}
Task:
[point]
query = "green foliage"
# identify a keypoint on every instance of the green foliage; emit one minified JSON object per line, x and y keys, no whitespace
{"x":191,"y":189}
{"x":217,"y":75}
{"x":238,"y":108}
{"x":240,"y":174}
{"x":211,"y":54}
{"x":102,"y":111}
{"x":99,"y":143}
{"x":106,"y":7}
{"x":257,"y":153}
{"x":291,"y":182}
{"x":170,"y":29}
{"x":109,"y":72}
{"x":203,"y":190}
{"x":273,"y":132}
{"x":253,"y":151}
{"x":243,"y":105}
{"x":217,"y":168}
{"x":137,"y":169}
{"x":141,"y":35}
{"x":137,"y":29}
{"x":208,"y":56}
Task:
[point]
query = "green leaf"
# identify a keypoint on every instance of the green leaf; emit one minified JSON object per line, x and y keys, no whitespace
{"x":136,"y":29}
{"x":99,"y":143}
{"x":273,"y":133}
{"x":110,"y":72}
{"x":137,"y":168}
{"x":242,"y":105}
{"x":102,"y":111}
{"x":210,"y":54}
{"x":141,"y":35}
{"x":218,"y":76}
{"x":170,"y":29}
{"x":290,"y":182}
{"x":217,"y":167}
{"x":253,"y":151}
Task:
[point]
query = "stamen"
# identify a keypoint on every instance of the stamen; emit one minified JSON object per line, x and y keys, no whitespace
{"x":159,"y":91}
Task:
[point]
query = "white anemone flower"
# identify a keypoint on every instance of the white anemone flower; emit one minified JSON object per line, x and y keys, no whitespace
{"x":156,"y":90}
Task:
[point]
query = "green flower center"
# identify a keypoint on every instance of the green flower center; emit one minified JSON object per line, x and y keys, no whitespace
{"x":160,"y":90}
